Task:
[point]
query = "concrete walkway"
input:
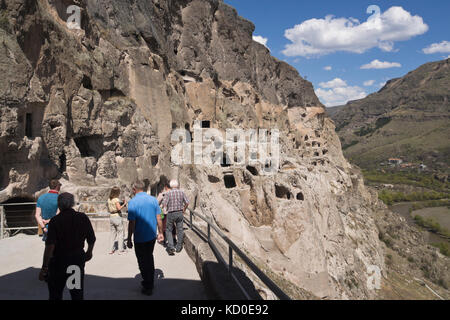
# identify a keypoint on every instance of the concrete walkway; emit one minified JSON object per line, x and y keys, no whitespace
{"x":109,"y":277}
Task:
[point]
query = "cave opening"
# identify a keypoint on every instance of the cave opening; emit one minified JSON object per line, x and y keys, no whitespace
{"x":29,"y":125}
{"x":282,"y":192}
{"x":62,"y":163}
{"x":226,"y":162}
{"x":87,"y":83}
{"x":154,"y":160}
{"x":300,"y":196}
{"x":206,"y":124}
{"x":90,"y":146}
{"x":19,"y":215}
{"x":252,"y":170}
{"x":158,"y":187}
{"x":230,"y":181}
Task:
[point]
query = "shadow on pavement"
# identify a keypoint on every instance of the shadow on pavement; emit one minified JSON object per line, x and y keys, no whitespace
{"x":24,"y":285}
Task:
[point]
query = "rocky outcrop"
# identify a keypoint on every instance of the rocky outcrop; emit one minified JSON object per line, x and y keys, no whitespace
{"x":97,"y":107}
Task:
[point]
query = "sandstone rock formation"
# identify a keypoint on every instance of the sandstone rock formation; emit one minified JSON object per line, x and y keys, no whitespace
{"x":97,"y":107}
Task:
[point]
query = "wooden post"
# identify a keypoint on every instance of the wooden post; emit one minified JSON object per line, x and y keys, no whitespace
{"x":2,"y":221}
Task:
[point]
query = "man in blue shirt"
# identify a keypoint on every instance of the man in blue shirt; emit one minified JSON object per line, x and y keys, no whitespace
{"x":144,"y":215}
{"x":47,"y":206}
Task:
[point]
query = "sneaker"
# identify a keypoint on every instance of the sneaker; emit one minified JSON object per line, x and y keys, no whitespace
{"x":171,"y":252}
{"x":179,"y":249}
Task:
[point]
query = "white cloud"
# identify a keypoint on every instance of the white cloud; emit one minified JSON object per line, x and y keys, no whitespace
{"x":443,"y":47}
{"x":369,"y":83}
{"x":335,"y":83}
{"x":377,"y":64}
{"x":337,"y":92}
{"x":317,"y":37}
{"x":328,"y":68}
{"x":261,"y":40}
{"x":382,"y":84}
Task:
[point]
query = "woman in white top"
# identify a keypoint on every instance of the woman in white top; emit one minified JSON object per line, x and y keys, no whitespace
{"x":115,"y":218}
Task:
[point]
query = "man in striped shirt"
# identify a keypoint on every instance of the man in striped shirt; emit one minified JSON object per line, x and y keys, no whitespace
{"x":175,"y":204}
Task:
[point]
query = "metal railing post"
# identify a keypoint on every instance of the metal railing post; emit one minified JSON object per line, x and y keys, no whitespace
{"x":190,"y":219}
{"x":209,"y":231}
{"x":2,"y":222}
{"x":230,"y":260}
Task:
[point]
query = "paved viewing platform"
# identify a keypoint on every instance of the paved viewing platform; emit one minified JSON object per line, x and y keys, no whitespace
{"x":110,"y":277}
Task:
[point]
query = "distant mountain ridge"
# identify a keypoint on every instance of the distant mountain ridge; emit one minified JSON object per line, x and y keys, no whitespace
{"x":408,"y":118}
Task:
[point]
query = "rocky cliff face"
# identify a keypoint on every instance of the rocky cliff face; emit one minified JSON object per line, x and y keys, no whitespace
{"x":97,"y":106}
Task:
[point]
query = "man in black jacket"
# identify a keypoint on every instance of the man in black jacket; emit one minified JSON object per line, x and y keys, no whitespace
{"x":64,"y":256}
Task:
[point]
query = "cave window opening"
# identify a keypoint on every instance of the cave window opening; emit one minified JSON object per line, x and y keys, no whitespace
{"x":154,"y":160}
{"x":87,"y":84}
{"x":252,"y":170}
{"x":300,"y":196}
{"x":306,"y":138}
{"x":89,"y":146}
{"x":62,"y":163}
{"x":159,"y":187}
{"x":316,"y":154}
{"x":20,"y":216}
{"x":324,"y":152}
{"x":230,"y":181}
{"x":206,"y":124}
{"x":225,"y":161}
{"x":174,"y":125}
{"x":29,"y":125}
{"x":282,"y":192}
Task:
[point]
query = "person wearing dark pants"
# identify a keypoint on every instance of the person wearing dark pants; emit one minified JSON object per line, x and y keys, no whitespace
{"x":58,"y":276}
{"x":144,"y":255}
{"x":175,"y":219}
{"x":144,"y":216}
{"x":64,"y":256}
{"x":175,"y":204}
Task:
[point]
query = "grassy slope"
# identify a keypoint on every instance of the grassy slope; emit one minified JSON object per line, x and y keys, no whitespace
{"x":417,"y":107}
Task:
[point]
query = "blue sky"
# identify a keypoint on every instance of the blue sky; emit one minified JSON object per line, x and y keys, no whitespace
{"x":395,"y":40}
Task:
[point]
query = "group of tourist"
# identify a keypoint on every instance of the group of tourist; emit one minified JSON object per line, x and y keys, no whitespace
{"x":65,"y":232}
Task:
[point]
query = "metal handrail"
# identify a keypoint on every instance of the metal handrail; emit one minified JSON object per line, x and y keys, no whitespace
{"x":233,"y":248}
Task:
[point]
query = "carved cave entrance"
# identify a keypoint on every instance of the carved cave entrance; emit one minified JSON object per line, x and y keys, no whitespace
{"x":20,"y":215}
